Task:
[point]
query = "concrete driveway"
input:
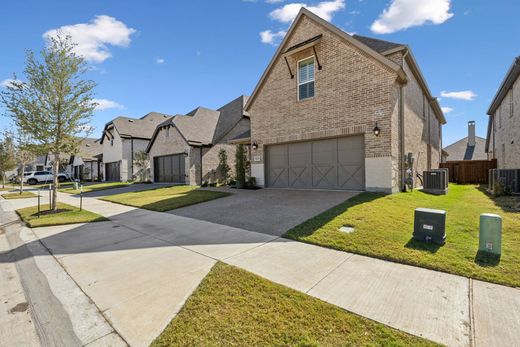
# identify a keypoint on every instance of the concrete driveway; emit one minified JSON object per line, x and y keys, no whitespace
{"x":268,"y":211}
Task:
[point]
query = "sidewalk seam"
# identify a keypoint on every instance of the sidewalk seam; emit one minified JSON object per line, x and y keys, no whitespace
{"x":472,"y":335}
{"x":328,"y":273}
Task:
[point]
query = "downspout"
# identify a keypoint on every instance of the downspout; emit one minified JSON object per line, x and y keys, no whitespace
{"x":200,"y":165}
{"x":402,"y":132}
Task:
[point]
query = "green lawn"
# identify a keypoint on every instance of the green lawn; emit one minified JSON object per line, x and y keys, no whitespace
{"x":384,"y":225}
{"x":96,"y":187}
{"x":232,"y":307}
{"x":17,"y":195}
{"x":66,"y":214}
{"x":165,"y":199}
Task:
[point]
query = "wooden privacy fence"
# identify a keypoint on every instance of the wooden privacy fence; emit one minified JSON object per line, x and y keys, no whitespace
{"x":469,"y":171}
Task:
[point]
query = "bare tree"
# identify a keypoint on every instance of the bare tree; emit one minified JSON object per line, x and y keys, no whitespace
{"x":54,"y":104}
{"x":141,"y":160}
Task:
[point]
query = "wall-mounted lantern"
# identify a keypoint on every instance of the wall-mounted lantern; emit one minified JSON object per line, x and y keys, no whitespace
{"x":255,"y":146}
{"x":376,"y":130}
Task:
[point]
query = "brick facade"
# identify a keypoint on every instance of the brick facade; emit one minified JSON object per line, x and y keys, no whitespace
{"x":504,"y":138}
{"x":353,"y":91}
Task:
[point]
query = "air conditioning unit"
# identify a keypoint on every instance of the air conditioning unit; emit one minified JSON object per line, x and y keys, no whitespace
{"x":436,"y":181}
{"x":509,"y":178}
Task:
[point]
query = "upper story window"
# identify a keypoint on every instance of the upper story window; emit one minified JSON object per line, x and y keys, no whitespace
{"x":111,"y":142}
{"x":168,"y":132}
{"x":306,"y":78}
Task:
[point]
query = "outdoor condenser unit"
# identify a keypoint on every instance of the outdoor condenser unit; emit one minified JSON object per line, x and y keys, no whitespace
{"x":430,"y":225}
{"x":509,"y":178}
{"x":435,"y":181}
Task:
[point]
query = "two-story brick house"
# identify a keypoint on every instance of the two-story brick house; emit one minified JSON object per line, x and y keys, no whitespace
{"x":503,"y":135}
{"x":335,"y":111}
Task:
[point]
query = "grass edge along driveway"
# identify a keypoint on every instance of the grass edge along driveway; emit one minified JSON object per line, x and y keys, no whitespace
{"x":384,"y":224}
{"x":166,"y":199}
{"x":67,"y":215}
{"x":96,"y":187}
{"x":233,"y":307}
{"x":17,"y":195}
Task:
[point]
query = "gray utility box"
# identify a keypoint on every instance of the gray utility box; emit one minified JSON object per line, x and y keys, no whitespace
{"x":430,"y":225}
{"x":490,"y":237}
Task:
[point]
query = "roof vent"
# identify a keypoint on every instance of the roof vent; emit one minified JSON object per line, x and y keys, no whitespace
{"x":131,"y":120}
{"x":87,"y":145}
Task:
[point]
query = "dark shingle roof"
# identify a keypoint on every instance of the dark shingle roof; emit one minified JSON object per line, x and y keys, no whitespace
{"x":140,"y":128}
{"x":89,"y":148}
{"x":461,"y":151}
{"x":377,"y":45}
{"x":512,"y":75}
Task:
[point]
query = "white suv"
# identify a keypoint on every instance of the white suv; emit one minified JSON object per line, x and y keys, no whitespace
{"x":35,"y":177}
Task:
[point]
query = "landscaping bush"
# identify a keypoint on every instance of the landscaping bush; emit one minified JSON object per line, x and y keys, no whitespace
{"x":240,"y":166}
{"x":223,"y":167}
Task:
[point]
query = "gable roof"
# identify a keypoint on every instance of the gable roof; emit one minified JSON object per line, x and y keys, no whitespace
{"x":141,"y":128}
{"x":380,"y":46}
{"x":461,"y":151}
{"x":89,"y":148}
{"x":357,"y":43}
{"x":204,"y":126}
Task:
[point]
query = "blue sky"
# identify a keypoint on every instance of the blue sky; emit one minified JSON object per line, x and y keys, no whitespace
{"x":172,"y":56}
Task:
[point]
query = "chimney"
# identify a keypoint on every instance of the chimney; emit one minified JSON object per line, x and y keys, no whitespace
{"x":471,"y":134}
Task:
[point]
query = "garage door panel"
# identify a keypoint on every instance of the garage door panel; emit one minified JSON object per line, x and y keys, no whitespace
{"x":336,"y":163}
{"x":169,"y":169}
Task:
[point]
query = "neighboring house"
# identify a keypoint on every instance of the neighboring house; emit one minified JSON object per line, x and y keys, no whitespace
{"x":471,"y":147}
{"x":39,"y":164}
{"x":184,"y":148}
{"x":122,"y":138}
{"x":503,"y":136}
{"x":87,"y":164}
{"x":335,"y":111}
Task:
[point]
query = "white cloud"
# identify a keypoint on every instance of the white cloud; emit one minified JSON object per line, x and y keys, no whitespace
{"x":324,"y":9}
{"x":403,"y":14}
{"x":105,"y":104}
{"x":272,"y":38}
{"x":159,"y":61}
{"x":93,"y":39}
{"x":446,"y":110}
{"x":5,"y":83}
{"x":274,"y":1}
{"x":467,"y":95}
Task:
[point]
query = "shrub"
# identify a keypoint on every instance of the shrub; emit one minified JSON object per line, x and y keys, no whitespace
{"x":223,"y":167}
{"x":240,"y":166}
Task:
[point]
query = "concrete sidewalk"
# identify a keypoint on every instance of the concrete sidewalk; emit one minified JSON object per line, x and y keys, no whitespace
{"x":110,"y":260}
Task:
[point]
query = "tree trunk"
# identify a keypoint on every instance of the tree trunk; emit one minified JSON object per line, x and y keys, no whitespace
{"x":56,"y":169}
{"x":21,"y":178}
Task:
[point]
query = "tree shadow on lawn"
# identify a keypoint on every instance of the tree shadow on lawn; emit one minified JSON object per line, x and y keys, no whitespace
{"x":312,"y":225}
{"x":507,"y":203}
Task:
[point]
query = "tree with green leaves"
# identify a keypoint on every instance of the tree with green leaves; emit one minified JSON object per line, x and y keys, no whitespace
{"x":223,"y":167}
{"x":54,"y":104}
{"x":141,"y":161}
{"x":240,"y":166}
{"x":25,"y":152}
{"x":7,"y":157}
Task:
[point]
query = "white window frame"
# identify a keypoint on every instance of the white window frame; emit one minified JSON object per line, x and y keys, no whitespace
{"x":298,"y":77}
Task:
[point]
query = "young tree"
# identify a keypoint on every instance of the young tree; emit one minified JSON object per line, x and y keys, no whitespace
{"x":223,"y":167}
{"x":24,"y":153}
{"x":141,"y":160}
{"x":240,"y":166}
{"x":7,"y":158}
{"x":54,"y":104}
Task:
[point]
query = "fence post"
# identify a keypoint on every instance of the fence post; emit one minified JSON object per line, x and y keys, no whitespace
{"x":38,"y":202}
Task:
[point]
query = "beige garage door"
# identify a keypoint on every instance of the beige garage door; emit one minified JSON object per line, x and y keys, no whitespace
{"x":323,"y":164}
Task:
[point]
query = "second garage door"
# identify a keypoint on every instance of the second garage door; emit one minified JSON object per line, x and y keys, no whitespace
{"x":337,"y":163}
{"x":169,"y":168}
{"x":113,"y":171}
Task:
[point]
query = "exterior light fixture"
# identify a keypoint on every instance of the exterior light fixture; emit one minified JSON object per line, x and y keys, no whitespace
{"x":255,"y":145}
{"x":376,"y":130}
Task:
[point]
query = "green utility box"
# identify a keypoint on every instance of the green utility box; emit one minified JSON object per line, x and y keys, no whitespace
{"x":430,"y":225}
{"x":490,"y":239}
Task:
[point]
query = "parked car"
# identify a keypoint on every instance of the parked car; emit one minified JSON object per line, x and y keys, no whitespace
{"x":35,"y":177}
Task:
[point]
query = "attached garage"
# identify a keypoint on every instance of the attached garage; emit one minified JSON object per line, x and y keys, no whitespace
{"x":169,"y":168}
{"x":337,"y":163}
{"x":113,"y":171}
